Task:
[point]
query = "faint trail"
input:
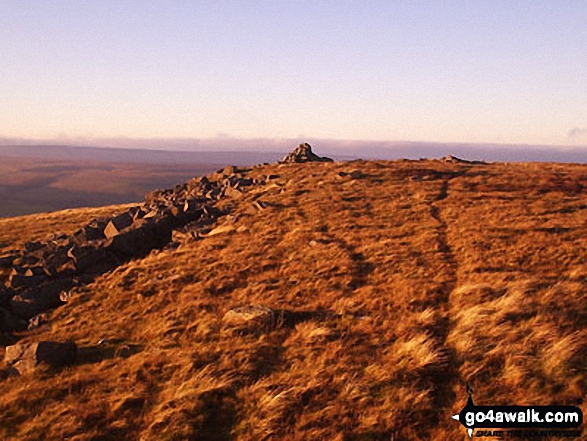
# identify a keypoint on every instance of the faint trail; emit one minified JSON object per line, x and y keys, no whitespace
{"x":445,"y":379}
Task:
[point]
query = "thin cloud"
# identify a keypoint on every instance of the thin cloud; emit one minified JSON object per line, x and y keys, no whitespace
{"x":576,"y":132}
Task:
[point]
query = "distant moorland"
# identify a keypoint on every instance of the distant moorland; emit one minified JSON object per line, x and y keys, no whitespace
{"x":36,"y":179}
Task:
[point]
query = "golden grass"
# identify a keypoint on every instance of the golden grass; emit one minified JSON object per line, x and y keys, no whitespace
{"x":14,"y":231}
{"x":391,"y":295}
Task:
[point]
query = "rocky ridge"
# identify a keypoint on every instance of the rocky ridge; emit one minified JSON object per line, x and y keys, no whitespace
{"x":41,"y":276}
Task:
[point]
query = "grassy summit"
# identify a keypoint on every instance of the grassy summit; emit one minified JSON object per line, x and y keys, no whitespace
{"x":362,"y":297}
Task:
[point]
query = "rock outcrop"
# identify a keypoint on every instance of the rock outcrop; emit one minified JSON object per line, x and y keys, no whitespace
{"x":303,"y":153}
{"x":454,"y":160}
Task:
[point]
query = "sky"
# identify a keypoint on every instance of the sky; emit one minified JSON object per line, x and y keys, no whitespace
{"x":494,"y":71}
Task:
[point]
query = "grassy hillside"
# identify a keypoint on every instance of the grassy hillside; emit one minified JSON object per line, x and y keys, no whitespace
{"x":381,"y":288}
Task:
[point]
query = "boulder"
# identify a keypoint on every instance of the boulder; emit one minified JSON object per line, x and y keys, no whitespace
{"x":7,"y":261}
{"x":211,"y":211}
{"x":213,"y":194}
{"x":88,"y":234}
{"x":9,"y":322}
{"x":232,"y":192}
{"x":27,"y":259}
{"x":249,"y":318}
{"x":140,"y":240}
{"x":91,"y":258}
{"x":137,"y":212}
{"x":22,"y":280}
{"x":37,"y":321}
{"x":41,"y":298}
{"x":243,"y":182}
{"x":190,"y":205}
{"x":229,"y":170}
{"x":221,"y":230}
{"x":31,"y":247}
{"x":5,"y":296}
{"x":25,"y":357}
{"x":66,"y":269}
{"x":151,"y":214}
{"x":56,"y":259}
{"x":303,"y":153}
{"x":117,"y":224}
{"x":35,"y":271}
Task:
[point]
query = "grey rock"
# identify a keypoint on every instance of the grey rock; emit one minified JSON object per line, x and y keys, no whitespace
{"x":303,"y":153}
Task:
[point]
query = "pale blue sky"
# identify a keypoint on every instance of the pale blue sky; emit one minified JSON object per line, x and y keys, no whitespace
{"x":511,"y":71}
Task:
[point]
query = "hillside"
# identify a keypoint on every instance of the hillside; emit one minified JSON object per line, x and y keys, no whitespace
{"x":324,"y":301}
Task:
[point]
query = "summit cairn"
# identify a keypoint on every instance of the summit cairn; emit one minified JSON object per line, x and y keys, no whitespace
{"x":303,"y":153}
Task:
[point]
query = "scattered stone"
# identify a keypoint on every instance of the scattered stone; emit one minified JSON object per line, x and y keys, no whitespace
{"x":303,"y":153}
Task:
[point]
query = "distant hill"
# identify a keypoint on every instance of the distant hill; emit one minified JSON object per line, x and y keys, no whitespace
{"x":37,"y":179}
{"x":254,"y":151}
{"x":322,"y":301}
{"x":128,"y":155}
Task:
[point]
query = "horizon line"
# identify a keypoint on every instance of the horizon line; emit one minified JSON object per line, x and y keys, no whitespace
{"x":181,"y":142}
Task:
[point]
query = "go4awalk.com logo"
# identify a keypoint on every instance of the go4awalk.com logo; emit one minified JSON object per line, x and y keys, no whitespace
{"x":536,"y":421}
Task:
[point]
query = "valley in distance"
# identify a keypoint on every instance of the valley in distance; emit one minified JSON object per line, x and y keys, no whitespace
{"x":305,"y":299}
